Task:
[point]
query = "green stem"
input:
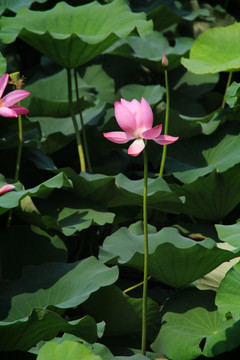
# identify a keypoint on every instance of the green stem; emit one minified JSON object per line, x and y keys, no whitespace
{"x":20,"y":145}
{"x":85,"y":145}
{"x":145,"y":275}
{"x":228,"y":83}
{"x":18,"y":162}
{"x":164,"y":153}
{"x":78,"y":138}
{"x":135,"y":286}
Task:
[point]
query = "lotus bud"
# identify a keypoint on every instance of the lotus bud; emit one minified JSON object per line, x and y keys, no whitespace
{"x":164,"y":60}
{"x":6,"y":188}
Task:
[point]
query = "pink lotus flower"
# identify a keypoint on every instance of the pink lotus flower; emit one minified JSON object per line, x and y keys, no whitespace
{"x":136,"y":120}
{"x":6,"y":188}
{"x":7,"y":107}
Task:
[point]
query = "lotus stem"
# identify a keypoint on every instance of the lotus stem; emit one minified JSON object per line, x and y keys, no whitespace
{"x":20,"y":145}
{"x":85,"y":145}
{"x":78,"y":138}
{"x":18,"y":162}
{"x":135,"y":286}
{"x":164,"y":153}
{"x":225,"y":93}
{"x":145,"y":271}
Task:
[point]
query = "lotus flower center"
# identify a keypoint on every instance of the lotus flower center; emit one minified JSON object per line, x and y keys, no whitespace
{"x":1,"y":104}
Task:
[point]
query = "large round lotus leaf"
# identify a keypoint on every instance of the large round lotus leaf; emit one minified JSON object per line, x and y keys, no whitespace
{"x":43,"y":324}
{"x":67,"y":350}
{"x":192,"y":326}
{"x":216,"y":49}
{"x":173,"y":259}
{"x":59,"y":284}
{"x":71,"y":36}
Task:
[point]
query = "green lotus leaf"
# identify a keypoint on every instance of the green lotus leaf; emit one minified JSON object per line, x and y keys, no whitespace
{"x":232,"y":95}
{"x":12,"y":198}
{"x":97,"y":348}
{"x":128,"y":317}
{"x":32,"y":246}
{"x":67,"y":350}
{"x":9,"y":137}
{"x":208,"y":123}
{"x":43,"y":324}
{"x":134,"y":357}
{"x":152,"y":93}
{"x":149,"y":51}
{"x":165,"y":13}
{"x":96,"y":77}
{"x":71,"y":36}
{"x":227,"y":298}
{"x":193,"y":85}
{"x":212,"y":280}
{"x":15,"y":5}
{"x":49,"y":96}
{"x":173,"y":259}
{"x":198,"y":156}
{"x":215,"y":49}
{"x":119,"y":191}
{"x":59,"y":132}
{"x":192,"y":326}
{"x":3,"y":64}
{"x":59,"y":284}
{"x":229,"y":234}
{"x":73,"y":214}
{"x":211,"y":197}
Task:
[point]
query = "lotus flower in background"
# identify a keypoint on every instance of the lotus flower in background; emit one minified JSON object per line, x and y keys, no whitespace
{"x":6,"y":188}
{"x":7,"y":107}
{"x":136,"y":119}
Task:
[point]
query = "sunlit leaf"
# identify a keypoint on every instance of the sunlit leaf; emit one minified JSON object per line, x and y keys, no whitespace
{"x":229,"y":233}
{"x":192,"y":327}
{"x":60,"y":34}
{"x":15,"y":5}
{"x":227,"y":298}
{"x":232,"y":95}
{"x":214,"y":50}
{"x":67,"y":350}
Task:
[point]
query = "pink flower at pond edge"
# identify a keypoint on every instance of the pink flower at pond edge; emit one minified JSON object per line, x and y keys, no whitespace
{"x":136,"y":119}
{"x":6,"y":188}
{"x":7,"y":107}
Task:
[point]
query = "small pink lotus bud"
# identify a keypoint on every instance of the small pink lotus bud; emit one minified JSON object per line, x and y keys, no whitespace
{"x":164,"y":60}
{"x":4,"y":189}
